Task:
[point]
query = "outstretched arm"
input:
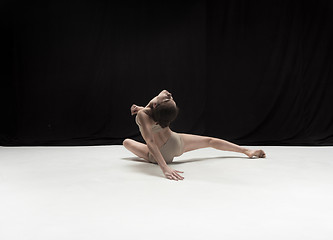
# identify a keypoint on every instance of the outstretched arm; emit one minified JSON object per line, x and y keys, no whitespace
{"x":147,"y":134}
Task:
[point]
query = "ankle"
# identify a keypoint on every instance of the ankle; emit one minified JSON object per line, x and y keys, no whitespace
{"x":246,"y":151}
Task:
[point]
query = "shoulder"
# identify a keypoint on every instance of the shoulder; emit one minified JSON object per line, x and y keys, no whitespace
{"x":144,"y":118}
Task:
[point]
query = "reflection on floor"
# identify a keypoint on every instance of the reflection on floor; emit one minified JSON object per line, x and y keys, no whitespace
{"x":104,"y":192}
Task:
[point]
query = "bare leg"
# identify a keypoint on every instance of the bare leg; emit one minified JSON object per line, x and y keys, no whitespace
{"x":139,"y":149}
{"x":192,"y":142}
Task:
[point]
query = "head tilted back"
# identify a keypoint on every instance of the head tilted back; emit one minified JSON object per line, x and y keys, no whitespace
{"x":164,"y":113}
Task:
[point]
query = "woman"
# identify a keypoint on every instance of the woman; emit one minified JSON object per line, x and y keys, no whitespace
{"x":162,"y":144}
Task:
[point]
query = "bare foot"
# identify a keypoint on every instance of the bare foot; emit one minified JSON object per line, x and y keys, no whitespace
{"x":255,"y":153}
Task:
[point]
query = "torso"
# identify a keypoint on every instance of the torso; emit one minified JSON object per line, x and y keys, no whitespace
{"x":161,"y":136}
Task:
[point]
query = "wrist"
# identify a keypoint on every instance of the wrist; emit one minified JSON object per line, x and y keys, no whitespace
{"x":245,"y":150}
{"x":164,"y":166}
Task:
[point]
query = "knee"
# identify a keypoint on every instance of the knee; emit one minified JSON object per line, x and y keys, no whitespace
{"x":126,"y":142}
{"x":210,"y":141}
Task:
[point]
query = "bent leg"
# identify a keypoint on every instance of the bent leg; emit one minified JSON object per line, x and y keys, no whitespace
{"x":193,"y":142}
{"x":139,"y":149}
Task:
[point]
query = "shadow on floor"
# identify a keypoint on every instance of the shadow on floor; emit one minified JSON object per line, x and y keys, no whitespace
{"x":175,"y":161}
{"x":135,"y":159}
{"x":151,"y":170}
{"x":148,"y":169}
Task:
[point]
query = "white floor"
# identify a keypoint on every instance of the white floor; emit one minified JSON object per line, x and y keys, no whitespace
{"x":104,"y":192}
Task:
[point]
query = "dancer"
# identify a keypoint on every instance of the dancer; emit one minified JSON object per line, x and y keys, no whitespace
{"x":162,"y":144}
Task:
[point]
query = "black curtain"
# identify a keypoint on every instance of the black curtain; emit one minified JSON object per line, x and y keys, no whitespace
{"x":251,"y":72}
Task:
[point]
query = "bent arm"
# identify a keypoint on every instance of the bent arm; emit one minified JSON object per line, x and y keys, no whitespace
{"x":147,"y":135}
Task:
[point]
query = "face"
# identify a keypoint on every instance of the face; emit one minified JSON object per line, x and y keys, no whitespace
{"x":162,"y":97}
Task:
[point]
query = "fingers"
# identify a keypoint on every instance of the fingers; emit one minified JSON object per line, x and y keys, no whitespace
{"x":177,"y":176}
{"x":134,"y":109}
{"x":171,"y":177}
{"x":134,"y":112}
{"x":174,"y":176}
{"x":168,"y":177}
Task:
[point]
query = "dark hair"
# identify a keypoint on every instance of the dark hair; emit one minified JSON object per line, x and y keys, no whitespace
{"x":164,"y":113}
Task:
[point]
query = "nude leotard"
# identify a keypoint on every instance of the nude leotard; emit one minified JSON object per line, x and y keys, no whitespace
{"x":172,"y":148}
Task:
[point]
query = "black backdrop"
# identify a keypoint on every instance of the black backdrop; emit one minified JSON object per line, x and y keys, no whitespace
{"x":251,"y":72}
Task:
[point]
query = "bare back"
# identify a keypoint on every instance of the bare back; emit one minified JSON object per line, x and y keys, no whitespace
{"x":161,"y":136}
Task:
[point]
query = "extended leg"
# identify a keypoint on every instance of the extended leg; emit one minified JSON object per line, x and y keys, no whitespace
{"x":192,"y":142}
{"x":139,"y":149}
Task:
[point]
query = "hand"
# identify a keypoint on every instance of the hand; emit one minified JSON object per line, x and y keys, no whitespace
{"x":172,"y":174}
{"x":135,"y":109}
